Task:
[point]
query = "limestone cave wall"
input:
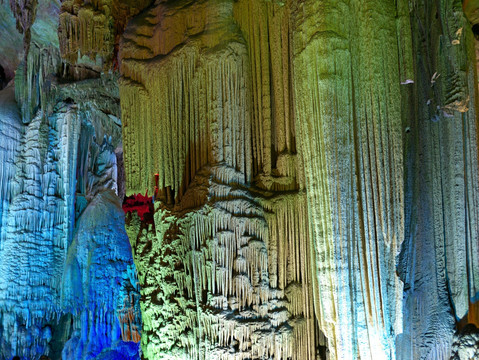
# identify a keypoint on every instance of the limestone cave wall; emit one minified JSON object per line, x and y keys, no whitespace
{"x":239,"y":179}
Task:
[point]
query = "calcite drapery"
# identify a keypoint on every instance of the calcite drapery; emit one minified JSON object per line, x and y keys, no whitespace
{"x":342,"y":77}
{"x":348,"y":108}
{"x":89,"y":30}
{"x":58,"y":164}
{"x":222,"y":284}
{"x":25,"y":12}
{"x":442,"y":190}
{"x":290,"y":150}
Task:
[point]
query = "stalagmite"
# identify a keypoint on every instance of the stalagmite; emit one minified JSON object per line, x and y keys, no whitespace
{"x":228,"y":288}
{"x":441,"y":185}
{"x":55,"y":166}
{"x":91,"y":29}
{"x":349,"y":120}
{"x":239,"y":179}
{"x":25,"y":13}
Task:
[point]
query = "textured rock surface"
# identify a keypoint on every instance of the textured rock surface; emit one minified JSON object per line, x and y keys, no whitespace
{"x":43,"y":32}
{"x":442,"y":181}
{"x":466,"y":344}
{"x":213,"y":260}
{"x":301,"y":179}
{"x":60,"y":163}
{"x":89,"y":30}
{"x":348,"y":70}
{"x":99,"y":259}
{"x":342,"y":77}
{"x":349,"y":118}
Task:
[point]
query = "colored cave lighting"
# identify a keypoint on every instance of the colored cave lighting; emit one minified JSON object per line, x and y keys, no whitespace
{"x":239,"y":179}
{"x":142,"y":204}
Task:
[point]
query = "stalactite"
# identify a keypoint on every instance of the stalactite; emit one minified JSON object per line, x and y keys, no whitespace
{"x":266,"y":27}
{"x":215,"y":268}
{"x":290,"y":256}
{"x":214,"y":263}
{"x":347,"y":93}
{"x":442,"y":183}
{"x":24,"y":12}
{"x":92,"y":28}
{"x":11,"y":131}
{"x":32,"y":85}
{"x":302,"y":180}
{"x":207,"y":91}
{"x":28,"y":235}
{"x":55,"y":167}
{"x":85,"y":30}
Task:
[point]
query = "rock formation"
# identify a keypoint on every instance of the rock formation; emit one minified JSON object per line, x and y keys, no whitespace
{"x":68,"y":282}
{"x":299,"y":179}
{"x":441,"y":184}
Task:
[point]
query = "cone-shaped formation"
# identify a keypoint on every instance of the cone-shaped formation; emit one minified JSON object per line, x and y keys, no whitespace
{"x":349,"y":110}
{"x":309,"y":114}
{"x":67,"y":276}
{"x":225,"y":267}
{"x":442,"y":168}
{"x":301,"y":180}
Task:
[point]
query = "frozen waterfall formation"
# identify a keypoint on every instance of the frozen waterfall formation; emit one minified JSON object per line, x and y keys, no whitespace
{"x":68,"y":284}
{"x":239,"y":179}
